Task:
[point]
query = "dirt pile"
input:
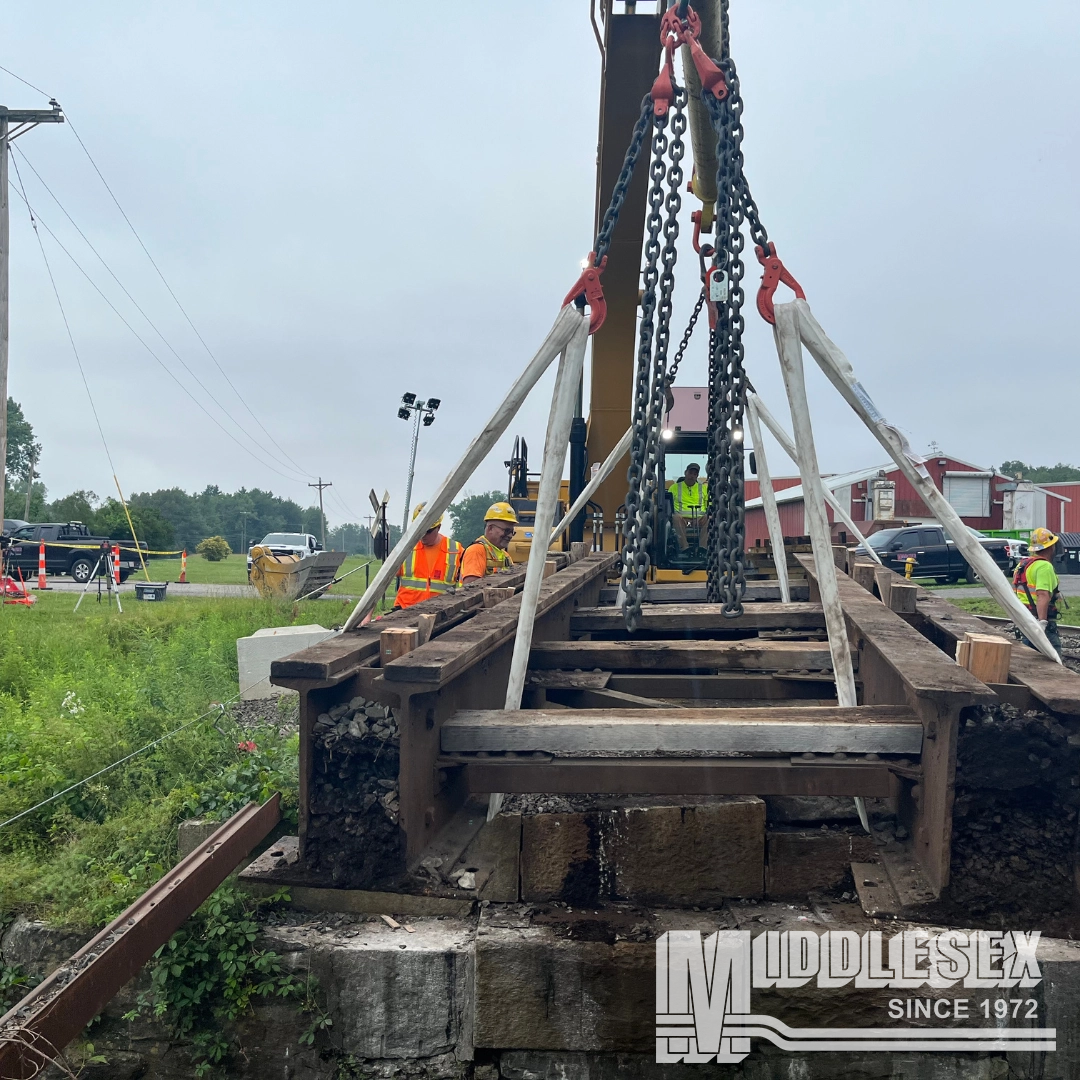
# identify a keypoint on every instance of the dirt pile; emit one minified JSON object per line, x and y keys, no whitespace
{"x":1015,"y":816}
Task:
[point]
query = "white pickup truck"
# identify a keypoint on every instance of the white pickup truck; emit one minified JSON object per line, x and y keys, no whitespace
{"x":286,"y":544}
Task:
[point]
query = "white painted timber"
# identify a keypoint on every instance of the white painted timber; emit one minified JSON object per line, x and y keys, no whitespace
{"x":861,"y":730}
{"x":255,"y":654}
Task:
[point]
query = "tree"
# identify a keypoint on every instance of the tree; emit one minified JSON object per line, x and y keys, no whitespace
{"x":152,"y":529}
{"x":78,"y":506}
{"x":21,"y":445}
{"x":467,"y":515}
{"x":1041,"y":474}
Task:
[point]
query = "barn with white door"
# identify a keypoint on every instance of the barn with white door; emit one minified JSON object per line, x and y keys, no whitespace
{"x":979,"y":495}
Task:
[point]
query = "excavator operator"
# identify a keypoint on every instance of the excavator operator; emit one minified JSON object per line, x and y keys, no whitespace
{"x":690,"y":500}
{"x":488,"y":552}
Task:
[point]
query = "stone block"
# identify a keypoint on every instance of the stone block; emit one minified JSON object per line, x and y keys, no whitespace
{"x":496,"y":853}
{"x":559,"y":857}
{"x":800,"y":809}
{"x":193,"y":832}
{"x":255,"y":654}
{"x":698,"y":855}
{"x":391,"y":994}
{"x":801,"y":860}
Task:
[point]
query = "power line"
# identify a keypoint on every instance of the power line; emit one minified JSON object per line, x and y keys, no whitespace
{"x":63,"y":315}
{"x":176,"y":299}
{"x":24,"y":81}
{"x":142,"y":342}
{"x":149,"y":321}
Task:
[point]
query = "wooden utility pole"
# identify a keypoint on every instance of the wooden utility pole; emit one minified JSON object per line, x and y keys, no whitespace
{"x":244,"y":515}
{"x":13,"y":123}
{"x":322,"y":517}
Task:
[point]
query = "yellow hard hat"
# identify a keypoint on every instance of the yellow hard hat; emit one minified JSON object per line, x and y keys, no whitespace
{"x":501,"y":511}
{"x":1041,"y":539}
{"x":416,"y":513}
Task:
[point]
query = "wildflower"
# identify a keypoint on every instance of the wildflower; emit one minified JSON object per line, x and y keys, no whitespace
{"x":247,"y":746}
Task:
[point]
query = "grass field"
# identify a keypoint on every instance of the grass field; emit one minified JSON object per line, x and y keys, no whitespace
{"x":80,"y":691}
{"x":233,"y":571}
{"x":1067,"y":617}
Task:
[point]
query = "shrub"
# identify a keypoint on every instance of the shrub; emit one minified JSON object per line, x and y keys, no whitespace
{"x":214,"y":548}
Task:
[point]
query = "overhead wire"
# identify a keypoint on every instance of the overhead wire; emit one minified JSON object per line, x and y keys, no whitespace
{"x":25,"y":82}
{"x":150,"y":322}
{"x":145,"y":345}
{"x":176,"y":300}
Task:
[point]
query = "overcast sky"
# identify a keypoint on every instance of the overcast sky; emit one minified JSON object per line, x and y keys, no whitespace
{"x":353,"y":200}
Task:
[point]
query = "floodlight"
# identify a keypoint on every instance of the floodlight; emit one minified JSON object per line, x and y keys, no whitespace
{"x":434,"y":403}
{"x":667,"y":434}
{"x":736,"y":434}
{"x":403,"y":413}
{"x":429,"y":420}
{"x":408,"y":399}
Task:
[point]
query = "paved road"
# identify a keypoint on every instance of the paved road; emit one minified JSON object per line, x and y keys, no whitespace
{"x":1070,"y":586}
{"x":247,"y":592}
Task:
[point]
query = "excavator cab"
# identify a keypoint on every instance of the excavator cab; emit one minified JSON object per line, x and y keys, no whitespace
{"x":521,"y":493}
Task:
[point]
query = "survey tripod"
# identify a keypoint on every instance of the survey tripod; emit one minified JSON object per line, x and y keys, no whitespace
{"x":106,"y":556}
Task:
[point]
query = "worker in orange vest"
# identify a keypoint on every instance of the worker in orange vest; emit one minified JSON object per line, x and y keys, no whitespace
{"x":431,"y":567}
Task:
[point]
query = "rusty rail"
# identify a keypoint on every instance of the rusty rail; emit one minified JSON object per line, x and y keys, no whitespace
{"x":53,"y":1013}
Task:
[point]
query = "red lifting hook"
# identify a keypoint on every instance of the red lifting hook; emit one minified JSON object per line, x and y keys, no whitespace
{"x":590,"y":286}
{"x":775,"y":272}
{"x":674,"y":32}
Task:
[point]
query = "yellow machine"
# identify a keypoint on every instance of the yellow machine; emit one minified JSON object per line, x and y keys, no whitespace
{"x":522,"y":494}
{"x":289,"y":577}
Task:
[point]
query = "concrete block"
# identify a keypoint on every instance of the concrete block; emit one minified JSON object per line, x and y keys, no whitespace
{"x":559,"y":857}
{"x":255,"y":654}
{"x":697,"y":855}
{"x":801,"y":860}
{"x":496,"y":852}
{"x":191,"y":833}
{"x":391,"y":994}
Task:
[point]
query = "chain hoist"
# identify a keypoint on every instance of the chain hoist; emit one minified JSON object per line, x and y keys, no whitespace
{"x":653,"y":338}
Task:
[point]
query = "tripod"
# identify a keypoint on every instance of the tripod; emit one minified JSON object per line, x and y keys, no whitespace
{"x":107,"y":556}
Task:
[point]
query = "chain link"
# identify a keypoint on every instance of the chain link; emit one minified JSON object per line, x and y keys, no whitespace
{"x":622,"y":184}
{"x":665,"y":194}
{"x":673,"y":371}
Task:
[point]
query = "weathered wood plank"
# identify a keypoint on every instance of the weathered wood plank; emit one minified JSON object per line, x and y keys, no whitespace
{"x":452,"y":652}
{"x":681,"y":593}
{"x":673,"y":776}
{"x":730,"y":685}
{"x":569,"y":680}
{"x":703,"y":616}
{"x":1055,"y":686}
{"x":603,"y":698}
{"x":864,"y":730}
{"x":752,"y":655}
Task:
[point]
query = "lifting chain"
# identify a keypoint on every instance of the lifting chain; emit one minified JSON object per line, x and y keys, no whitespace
{"x":673,"y":371}
{"x":727,"y":379}
{"x":654,"y":337}
{"x":622,"y":184}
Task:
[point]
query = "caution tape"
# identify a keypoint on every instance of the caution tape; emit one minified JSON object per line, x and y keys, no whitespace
{"x":124,"y":545}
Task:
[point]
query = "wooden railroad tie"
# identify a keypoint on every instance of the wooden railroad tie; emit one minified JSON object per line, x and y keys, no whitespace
{"x":986,"y":656}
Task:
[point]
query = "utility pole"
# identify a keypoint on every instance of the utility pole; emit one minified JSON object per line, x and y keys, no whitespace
{"x":13,"y":123}
{"x":322,"y":517}
{"x":244,"y":515}
{"x":29,"y":480}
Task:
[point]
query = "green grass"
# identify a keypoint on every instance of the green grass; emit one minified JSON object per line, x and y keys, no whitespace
{"x":233,"y":571}
{"x":78,"y":692}
{"x":1067,"y":617}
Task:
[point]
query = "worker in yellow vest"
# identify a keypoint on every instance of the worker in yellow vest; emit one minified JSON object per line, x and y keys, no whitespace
{"x":430,"y":568}
{"x":690,"y":499}
{"x":487,"y":553}
{"x":1036,"y":583}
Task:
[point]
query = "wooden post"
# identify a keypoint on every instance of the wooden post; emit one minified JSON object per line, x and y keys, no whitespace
{"x":863,"y":573}
{"x":425,"y":624}
{"x":578,"y":550}
{"x":986,"y":656}
{"x":902,"y":598}
{"x":397,"y":641}
{"x":884,"y":579}
{"x":550,"y":566}
{"x":493,"y":596}
{"x":839,"y":557}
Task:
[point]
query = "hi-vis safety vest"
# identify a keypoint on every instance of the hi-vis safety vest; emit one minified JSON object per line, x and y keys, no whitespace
{"x":690,"y":500}
{"x":1026,"y":596}
{"x":497,"y":559}
{"x":428,"y":571}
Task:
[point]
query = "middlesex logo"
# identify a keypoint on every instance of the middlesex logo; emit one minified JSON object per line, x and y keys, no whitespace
{"x":703,"y":990}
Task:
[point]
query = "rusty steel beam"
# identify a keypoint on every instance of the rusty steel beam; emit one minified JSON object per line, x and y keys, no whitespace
{"x":53,"y":1013}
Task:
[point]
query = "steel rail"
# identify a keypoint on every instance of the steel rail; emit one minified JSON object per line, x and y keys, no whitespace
{"x":37,"y":1029}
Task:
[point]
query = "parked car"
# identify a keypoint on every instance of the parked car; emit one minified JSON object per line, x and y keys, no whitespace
{"x":69,"y":549}
{"x":936,"y":554}
{"x":286,"y":544}
{"x":11,"y":524}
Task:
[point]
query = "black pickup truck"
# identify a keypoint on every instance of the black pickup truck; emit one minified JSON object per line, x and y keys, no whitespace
{"x":936,"y":555}
{"x":69,"y":549}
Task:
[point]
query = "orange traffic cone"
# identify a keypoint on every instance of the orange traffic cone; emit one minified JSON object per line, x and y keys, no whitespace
{"x":41,"y":582}
{"x":183,"y":569}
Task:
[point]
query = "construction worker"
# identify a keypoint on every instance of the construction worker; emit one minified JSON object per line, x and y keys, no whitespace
{"x":690,"y":500}
{"x":430,"y":568}
{"x":1036,"y":583}
{"x":488,"y":552}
